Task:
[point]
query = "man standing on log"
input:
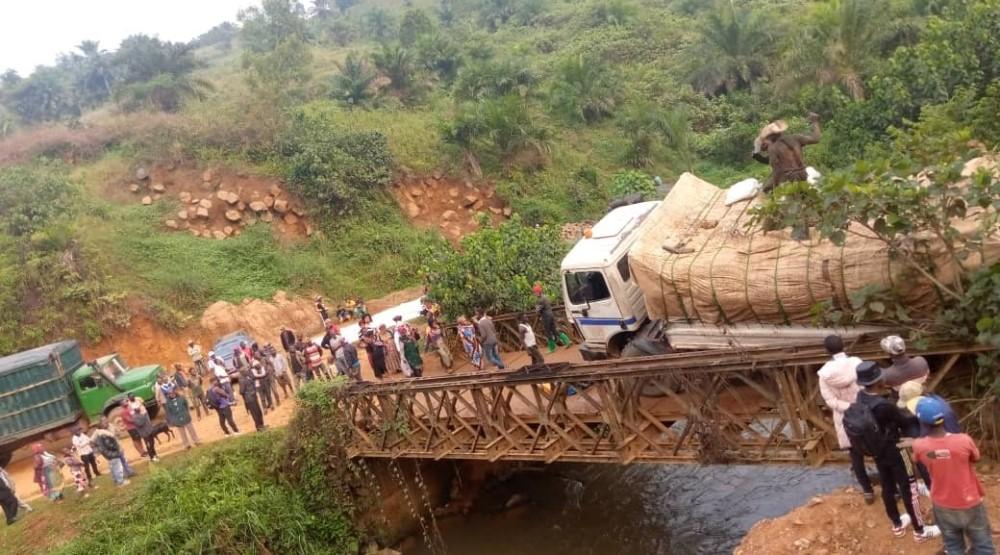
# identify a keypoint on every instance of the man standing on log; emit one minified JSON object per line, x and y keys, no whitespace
{"x":784,"y":152}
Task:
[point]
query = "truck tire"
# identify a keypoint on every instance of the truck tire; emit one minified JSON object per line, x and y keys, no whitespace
{"x":640,"y":347}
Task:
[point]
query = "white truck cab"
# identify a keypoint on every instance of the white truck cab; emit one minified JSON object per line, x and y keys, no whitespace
{"x":601,"y":297}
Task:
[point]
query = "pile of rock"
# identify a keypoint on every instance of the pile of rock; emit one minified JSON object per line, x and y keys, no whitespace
{"x":454,"y":206}
{"x":217,"y":210}
{"x":574,"y":231}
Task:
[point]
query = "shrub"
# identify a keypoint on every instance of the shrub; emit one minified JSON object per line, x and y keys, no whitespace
{"x":629,"y":182}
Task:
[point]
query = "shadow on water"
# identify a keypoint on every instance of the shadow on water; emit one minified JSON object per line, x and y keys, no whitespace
{"x":636,"y":510}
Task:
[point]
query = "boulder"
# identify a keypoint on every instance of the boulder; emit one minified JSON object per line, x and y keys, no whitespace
{"x":228,"y":230}
{"x":412,"y":210}
{"x":172,"y":224}
{"x":469,"y":200}
{"x":241,"y":206}
{"x":195,"y":200}
{"x":219,"y":234}
{"x":201,"y":212}
{"x":309,"y":230}
{"x":478,"y":205}
{"x":269,"y":201}
{"x":258,"y":206}
{"x":205,"y":203}
{"x":275,"y":191}
{"x":489,"y":193}
{"x":416,"y":191}
{"x":134,"y":187}
{"x":182,"y":215}
{"x":159,"y":188}
{"x":267,"y":217}
{"x":142,"y":174}
{"x":207,"y":175}
{"x":234,"y":215}
{"x":233,"y":198}
{"x":508,"y":211}
{"x":453,"y":192}
{"x":222,"y":195}
{"x":184,"y":196}
{"x":147,"y":200}
{"x":195,"y":232}
{"x":448,"y":215}
{"x":291,"y":219}
{"x":298,"y":211}
{"x":496,"y":210}
{"x":281,"y":206}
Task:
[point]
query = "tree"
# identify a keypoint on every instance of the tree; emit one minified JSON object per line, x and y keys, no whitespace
{"x":344,"y":5}
{"x":841,"y":45}
{"x":583,"y":90}
{"x":140,"y":58}
{"x":414,"y":25}
{"x":322,"y":9}
{"x":396,"y":63}
{"x":440,"y":55}
{"x":354,"y":83}
{"x":380,"y":24}
{"x":495,"y":268}
{"x":612,"y":12}
{"x":630,"y":182}
{"x":647,"y":128}
{"x":166,"y":92}
{"x":275,"y":54}
{"x":500,"y":128}
{"x":493,"y":78}
{"x":94,"y":75}
{"x":731,"y":51}
{"x":9,"y":78}
{"x":43,"y":96}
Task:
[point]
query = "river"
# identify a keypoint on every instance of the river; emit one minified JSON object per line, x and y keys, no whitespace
{"x":636,"y":510}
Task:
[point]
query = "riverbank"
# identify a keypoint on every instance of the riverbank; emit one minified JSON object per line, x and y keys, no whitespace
{"x":839,"y":523}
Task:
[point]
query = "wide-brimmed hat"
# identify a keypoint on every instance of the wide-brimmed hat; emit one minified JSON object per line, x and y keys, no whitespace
{"x":893,"y":345}
{"x":869,"y":373}
{"x":909,"y":394}
{"x":777,"y":126}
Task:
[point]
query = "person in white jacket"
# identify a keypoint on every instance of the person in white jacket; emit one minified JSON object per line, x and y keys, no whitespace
{"x":838,"y":384}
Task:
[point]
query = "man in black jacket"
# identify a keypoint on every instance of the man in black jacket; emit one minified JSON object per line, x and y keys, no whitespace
{"x":894,"y":466}
{"x":248,"y":389}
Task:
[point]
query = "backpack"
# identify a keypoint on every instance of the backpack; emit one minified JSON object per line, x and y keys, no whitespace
{"x":107,"y":445}
{"x":863,"y":430}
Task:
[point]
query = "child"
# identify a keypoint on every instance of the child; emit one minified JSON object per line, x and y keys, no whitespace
{"x":76,"y":469}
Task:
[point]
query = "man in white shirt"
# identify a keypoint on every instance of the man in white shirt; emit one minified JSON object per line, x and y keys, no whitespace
{"x":529,"y":341}
{"x":838,"y":384}
{"x":218,"y":368}
{"x":83,"y":448}
{"x":194,"y":351}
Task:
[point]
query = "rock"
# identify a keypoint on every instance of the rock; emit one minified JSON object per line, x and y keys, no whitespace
{"x":869,"y":524}
{"x":478,"y":205}
{"x":183,"y":215}
{"x":147,"y":200}
{"x":228,"y":230}
{"x":267,"y":217}
{"x":496,"y":210}
{"x":453,"y":192}
{"x":448,"y":215}
{"x":184,"y":196}
{"x":207,"y":175}
{"x":258,"y":206}
{"x":281,"y":206}
{"x":222,"y":195}
{"x":801,"y":543}
{"x":798,"y":522}
{"x":508,"y":211}
{"x":134,"y":187}
{"x":298,"y":211}
{"x":291,"y":219}
{"x":489,"y":193}
{"x":142,"y":174}
{"x":438,"y":174}
{"x":234,"y":215}
{"x":823,"y":539}
{"x":416,"y":191}
{"x":269,"y":201}
{"x":469,"y":200}
{"x":309,"y":230}
{"x":219,"y":234}
{"x":813,"y":501}
{"x":195,"y":200}
{"x":275,"y":191}
{"x":201,"y":212}
{"x":412,"y":210}
{"x":233,"y":198}
{"x":195,"y":232}
{"x":172,"y":224}
{"x":159,"y":188}
{"x":205,"y":203}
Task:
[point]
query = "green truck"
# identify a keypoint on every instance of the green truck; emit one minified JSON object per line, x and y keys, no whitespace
{"x":46,"y":390}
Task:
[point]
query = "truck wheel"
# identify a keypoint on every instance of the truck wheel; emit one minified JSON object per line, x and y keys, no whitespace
{"x":643,"y":348}
{"x":5,"y":458}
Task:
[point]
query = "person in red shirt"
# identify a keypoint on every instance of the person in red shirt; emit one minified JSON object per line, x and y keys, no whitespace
{"x":956,"y":493}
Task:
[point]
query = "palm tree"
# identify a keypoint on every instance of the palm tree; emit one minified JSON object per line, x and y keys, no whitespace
{"x":840,"y":46}
{"x":583,"y":89}
{"x":396,"y":63}
{"x":380,"y":24}
{"x":647,"y":127}
{"x":354,"y":82}
{"x":494,"y":78}
{"x":321,"y":9}
{"x":731,"y":52}
{"x":95,"y":76}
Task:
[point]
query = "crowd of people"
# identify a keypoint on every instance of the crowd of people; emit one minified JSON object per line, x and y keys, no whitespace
{"x":915,"y":441}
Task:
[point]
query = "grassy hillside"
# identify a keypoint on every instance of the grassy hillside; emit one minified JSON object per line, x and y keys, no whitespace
{"x":550,"y":100}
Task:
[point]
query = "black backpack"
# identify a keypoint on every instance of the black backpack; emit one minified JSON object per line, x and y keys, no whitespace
{"x":863,"y":430}
{"x":108,"y":446}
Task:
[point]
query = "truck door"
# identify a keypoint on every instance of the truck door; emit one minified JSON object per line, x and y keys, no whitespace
{"x":592,"y":306}
{"x":94,"y":390}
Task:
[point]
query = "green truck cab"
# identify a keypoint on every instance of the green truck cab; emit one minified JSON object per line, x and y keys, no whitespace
{"x":44,"y":391}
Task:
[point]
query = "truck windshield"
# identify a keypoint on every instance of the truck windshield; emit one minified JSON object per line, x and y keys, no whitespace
{"x":113,"y":368}
{"x":584,"y":287}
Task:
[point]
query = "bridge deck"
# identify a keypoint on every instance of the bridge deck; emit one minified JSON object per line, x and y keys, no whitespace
{"x":759,"y":405}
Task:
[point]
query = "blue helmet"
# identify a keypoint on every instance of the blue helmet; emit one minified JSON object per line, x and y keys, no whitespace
{"x":930,"y":411}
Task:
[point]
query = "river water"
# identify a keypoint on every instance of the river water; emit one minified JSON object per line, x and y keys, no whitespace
{"x":636,"y":510}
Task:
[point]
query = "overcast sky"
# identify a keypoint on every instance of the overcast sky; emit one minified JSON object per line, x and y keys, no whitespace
{"x":34,"y":32}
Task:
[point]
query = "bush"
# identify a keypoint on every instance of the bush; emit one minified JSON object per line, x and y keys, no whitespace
{"x":629,"y":182}
{"x":495,"y":268}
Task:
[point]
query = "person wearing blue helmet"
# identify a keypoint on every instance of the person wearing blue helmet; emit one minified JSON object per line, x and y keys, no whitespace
{"x":956,"y":493}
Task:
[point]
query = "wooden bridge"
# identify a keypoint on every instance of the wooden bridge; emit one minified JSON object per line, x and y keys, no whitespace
{"x":759,"y":405}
